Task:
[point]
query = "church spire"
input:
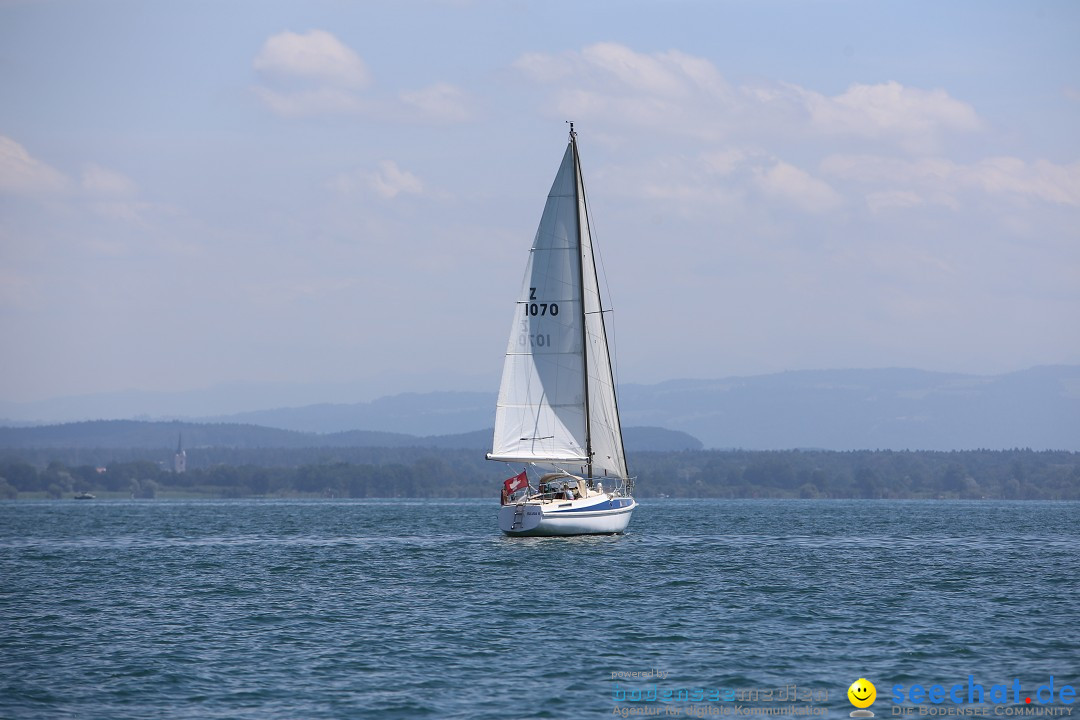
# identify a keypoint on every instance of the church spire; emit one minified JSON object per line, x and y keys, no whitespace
{"x":180,"y":458}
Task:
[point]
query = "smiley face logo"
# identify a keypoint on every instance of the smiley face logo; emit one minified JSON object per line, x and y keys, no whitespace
{"x":862,"y":693}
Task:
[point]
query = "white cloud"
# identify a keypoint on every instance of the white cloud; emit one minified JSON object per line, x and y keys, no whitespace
{"x":545,"y":68}
{"x":104,"y":192}
{"x":441,"y":102}
{"x":100,"y":181}
{"x":798,"y":188}
{"x":879,"y":201}
{"x":390,"y":181}
{"x":387,"y":182}
{"x":1041,"y":180}
{"x":316,"y":74}
{"x":99,"y":191}
{"x":725,"y":162}
{"x":758,"y":142}
{"x":726,"y":180}
{"x":610,"y":81}
{"x":678,"y":92}
{"x":22,"y":174}
{"x":902,"y":182}
{"x":310,"y":74}
{"x":672,"y":74}
{"x":315,"y":55}
{"x":668,"y":74}
{"x":114,"y":196}
{"x":888,"y":110}
{"x":123,"y":210}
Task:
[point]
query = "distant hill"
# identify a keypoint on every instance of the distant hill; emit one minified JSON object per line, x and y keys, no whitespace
{"x":894,"y":409}
{"x":654,"y":439}
{"x":422,"y":414}
{"x":127,"y":434}
{"x":144,"y":434}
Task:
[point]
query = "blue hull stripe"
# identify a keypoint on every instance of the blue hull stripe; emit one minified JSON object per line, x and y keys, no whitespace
{"x":570,"y":517}
{"x":606,"y":505}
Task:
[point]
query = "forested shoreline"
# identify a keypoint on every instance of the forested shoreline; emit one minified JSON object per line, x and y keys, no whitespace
{"x":1018,"y":474}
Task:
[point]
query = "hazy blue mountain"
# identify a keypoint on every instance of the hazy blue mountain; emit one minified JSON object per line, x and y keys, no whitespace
{"x":115,"y":434}
{"x":828,"y":409}
{"x":145,"y":434}
{"x":869,"y":409}
{"x":219,"y":400}
{"x":436,"y":413}
{"x":649,"y":439}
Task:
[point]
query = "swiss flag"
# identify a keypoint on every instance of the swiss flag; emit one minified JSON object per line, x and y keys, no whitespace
{"x":518,"y":482}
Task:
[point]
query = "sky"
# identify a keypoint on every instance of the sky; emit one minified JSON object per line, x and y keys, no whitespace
{"x":342,"y":194}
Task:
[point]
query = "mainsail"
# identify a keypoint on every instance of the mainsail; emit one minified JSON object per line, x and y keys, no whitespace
{"x":557,"y":398}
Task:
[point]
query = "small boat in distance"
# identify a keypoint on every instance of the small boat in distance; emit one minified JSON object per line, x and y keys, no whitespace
{"x":84,"y":496}
{"x":557,"y":409}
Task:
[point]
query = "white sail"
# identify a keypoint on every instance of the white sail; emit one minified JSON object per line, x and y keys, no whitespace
{"x":546,"y":413}
{"x":605,"y":432}
{"x":540,"y":414}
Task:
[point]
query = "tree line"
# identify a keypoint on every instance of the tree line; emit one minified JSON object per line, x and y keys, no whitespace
{"x":1018,"y":474}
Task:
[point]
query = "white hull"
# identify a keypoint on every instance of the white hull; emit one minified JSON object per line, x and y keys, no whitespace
{"x":603,"y":515}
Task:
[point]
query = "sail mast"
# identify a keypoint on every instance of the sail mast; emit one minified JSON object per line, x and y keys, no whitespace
{"x":580,"y":202}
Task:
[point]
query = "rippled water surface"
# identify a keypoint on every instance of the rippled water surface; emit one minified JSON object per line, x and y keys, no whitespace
{"x":411,"y":609}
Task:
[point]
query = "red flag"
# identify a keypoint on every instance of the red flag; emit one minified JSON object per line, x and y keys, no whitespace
{"x":518,"y":482}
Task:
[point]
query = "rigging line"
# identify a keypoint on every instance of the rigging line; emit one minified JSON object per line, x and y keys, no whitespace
{"x":613,"y":355}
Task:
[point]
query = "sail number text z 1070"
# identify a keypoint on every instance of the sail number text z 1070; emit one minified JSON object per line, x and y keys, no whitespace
{"x":539,"y":308}
{"x":536,"y":309}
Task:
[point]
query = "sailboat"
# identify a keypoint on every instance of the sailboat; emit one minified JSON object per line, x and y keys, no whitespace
{"x":557,"y":409}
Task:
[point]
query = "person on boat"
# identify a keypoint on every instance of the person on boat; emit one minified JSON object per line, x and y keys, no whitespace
{"x":568,"y":492}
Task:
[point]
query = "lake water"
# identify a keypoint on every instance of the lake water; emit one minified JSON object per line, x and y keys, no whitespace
{"x":413,"y":609}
